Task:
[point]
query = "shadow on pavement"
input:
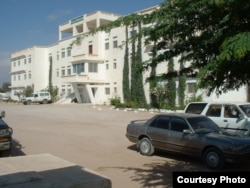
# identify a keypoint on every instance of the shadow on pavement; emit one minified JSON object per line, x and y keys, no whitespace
{"x":160,"y":173}
{"x":16,"y":148}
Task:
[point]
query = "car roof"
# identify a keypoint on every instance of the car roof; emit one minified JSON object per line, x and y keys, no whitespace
{"x":181,"y":114}
{"x":221,"y":102}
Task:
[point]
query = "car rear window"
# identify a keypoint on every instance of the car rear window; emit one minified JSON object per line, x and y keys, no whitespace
{"x":246,"y":109}
{"x":195,"y":108}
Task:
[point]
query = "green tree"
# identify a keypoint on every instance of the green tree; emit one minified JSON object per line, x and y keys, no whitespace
{"x":28,"y":91}
{"x":212,"y":35}
{"x":125,"y":78}
{"x":139,"y":79}
{"x":153,"y":79}
{"x":133,"y":68}
{"x":182,"y":86}
{"x":171,"y":85}
{"x":5,"y":87}
{"x":53,"y":90}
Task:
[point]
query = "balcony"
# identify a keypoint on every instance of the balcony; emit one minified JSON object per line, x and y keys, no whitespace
{"x":83,"y":78}
{"x":86,"y":57}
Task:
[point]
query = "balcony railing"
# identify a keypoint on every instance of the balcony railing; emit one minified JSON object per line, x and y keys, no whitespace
{"x":83,"y":78}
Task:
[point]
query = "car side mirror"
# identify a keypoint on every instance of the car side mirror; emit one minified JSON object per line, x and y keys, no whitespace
{"x":2,"y":113}
{"x":241,"y":116}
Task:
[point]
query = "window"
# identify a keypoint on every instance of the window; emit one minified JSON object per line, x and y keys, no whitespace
{"x":93,"y":67}
{"x":90,"y":49}
{"x":68,"y":91}
{"x":63,"y":72}
{"x":69,"y":71}
{"x":214,"y":110}
{"x":106,"y":45}
{"x":231,"y":111}
{"x":115,"y":44}
{"x":133,"y":33}
{"x":29,"y":59}
{"x":63,"y":54}
{"x":63,"y":92}
{"x":107,"y":91}
{"x":161,"y":122}
{"x":191,"y":87}
{"x":178,"y":124}
{"x":114,"y":65}
{"x":195,"y":108}
{"x":78,"y":68}
{"x":107,"y":66}
{"x":69,"y":52}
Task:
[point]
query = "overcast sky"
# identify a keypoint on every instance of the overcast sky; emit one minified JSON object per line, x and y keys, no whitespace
{"x":26,"y":23}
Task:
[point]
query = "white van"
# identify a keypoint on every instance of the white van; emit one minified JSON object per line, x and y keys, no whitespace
{"x":40,"y":97}
{"x":231,"y":116}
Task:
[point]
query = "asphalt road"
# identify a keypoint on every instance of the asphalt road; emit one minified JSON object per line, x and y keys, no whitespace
{"x":94,"y":137}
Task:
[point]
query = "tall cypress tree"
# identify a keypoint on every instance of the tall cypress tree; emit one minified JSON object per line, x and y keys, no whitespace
{"x":125,"y":81}
{"x":133,"y":68}
{"x":182,"y":85}
{"x":171,"y":85}
{"x":139,"y":82}
{"x":50,"y":75}
{"x":153,"y":80}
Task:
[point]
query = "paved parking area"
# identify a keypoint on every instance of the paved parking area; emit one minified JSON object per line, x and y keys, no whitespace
{"x":94,"y":137}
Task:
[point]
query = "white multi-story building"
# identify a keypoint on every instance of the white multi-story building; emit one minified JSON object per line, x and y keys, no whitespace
{"x":86,"y":67}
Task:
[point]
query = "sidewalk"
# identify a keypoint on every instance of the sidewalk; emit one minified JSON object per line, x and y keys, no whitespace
{"x":45,"y":170}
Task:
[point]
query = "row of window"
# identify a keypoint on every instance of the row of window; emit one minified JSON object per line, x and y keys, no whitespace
{"x":79,"y":68}
{"x":18,"y":77}
{"x":64,"y":53}
{"x":19,"y":61}
{"x":68,"y":91}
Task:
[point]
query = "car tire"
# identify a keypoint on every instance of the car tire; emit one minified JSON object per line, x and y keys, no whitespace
{"x":213,"y":158}
{"x":45,"y":101}
{"x":28,"y":102}
{"x":145,"y":147}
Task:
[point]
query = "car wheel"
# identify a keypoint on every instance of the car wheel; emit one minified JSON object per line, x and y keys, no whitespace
{"x":213,"y":158}
{"x":145,"y":147}
{"x":45,"y":101}
{"x":28,"y":102}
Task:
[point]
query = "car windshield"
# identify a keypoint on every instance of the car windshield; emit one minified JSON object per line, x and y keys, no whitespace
{"x":202,"y":125}
{"x":246,"y":108}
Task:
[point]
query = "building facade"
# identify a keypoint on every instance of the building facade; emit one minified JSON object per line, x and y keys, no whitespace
{"x":86,"y":67}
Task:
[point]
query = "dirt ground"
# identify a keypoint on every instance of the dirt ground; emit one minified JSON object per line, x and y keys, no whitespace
{"x":94,"y":137}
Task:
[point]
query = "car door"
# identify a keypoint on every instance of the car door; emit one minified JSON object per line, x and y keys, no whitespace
{"x":231,"y":117}
{"x":214,"y":112}
{"x":158,"y":131}
{"x":35,"y":98}
{"x":178,"y":141}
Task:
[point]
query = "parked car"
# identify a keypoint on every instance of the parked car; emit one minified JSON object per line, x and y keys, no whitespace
{"x":233,"y":117}
{"x":5,"y":136}
{"x":189,"y":134}
{"x":40,"y":97}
